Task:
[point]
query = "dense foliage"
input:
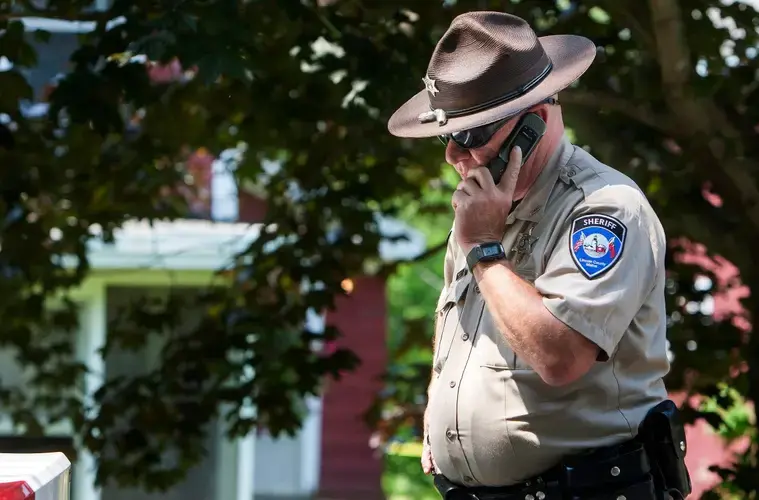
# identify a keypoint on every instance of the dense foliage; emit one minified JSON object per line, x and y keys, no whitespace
{"x":672,"y":101}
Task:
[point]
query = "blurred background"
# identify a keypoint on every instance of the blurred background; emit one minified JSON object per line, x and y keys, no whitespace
{"x":220,"y":270}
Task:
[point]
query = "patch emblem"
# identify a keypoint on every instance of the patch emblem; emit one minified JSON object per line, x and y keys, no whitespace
{"x":596,"y":243}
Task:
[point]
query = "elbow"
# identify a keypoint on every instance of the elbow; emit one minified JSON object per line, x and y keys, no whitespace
{"x":560,"y":373}
{"x":556,"y":378}
{"x":570,"y":363}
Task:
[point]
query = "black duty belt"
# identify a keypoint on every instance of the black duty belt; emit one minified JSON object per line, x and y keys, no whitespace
{"x":616,"y":472}
{"x":550,"y":490}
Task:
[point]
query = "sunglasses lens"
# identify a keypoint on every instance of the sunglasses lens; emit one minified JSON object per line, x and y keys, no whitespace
{"x":462,"y":139}
{"x":473,"y":138}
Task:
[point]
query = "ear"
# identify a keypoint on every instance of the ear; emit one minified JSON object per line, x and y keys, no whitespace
{"x":542,"y":111}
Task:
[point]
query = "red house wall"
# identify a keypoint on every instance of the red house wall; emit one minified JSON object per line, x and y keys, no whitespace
{"x":350,"y":469}
{"x":252,"y":208}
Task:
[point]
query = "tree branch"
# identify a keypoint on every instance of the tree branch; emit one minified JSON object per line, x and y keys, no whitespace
{"x":636,"y":111}
{"x":675,"y":64}
{"x":390,"y":267}
{"x":623,"y":11}
{"x":671,"y":45}
{"x":430,"y":251}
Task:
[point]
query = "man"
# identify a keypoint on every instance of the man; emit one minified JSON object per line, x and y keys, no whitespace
{"x":550,"y":343}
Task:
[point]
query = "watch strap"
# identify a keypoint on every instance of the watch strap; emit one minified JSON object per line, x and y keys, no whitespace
{"x":485,"y":252}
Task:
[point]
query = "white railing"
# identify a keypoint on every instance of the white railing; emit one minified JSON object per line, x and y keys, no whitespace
{"x":37,"y":476}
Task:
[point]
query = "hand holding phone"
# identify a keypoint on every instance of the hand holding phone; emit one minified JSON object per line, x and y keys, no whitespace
{"x":526,"y":134}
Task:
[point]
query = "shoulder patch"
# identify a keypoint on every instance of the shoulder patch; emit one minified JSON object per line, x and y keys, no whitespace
{"x":596,"y":243}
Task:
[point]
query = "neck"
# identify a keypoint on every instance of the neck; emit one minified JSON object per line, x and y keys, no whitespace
{"x":536,"y":162}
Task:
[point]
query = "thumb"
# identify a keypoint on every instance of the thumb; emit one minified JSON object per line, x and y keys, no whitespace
{"x":510,"y":177}
{"x":427,"y":461}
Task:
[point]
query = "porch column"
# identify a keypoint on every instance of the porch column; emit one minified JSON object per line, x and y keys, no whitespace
{"x":235,"y":465}
{"x":311,"y":451}
{"x":311,"y":433}
{"x":93,"y":326}
{"x":246,"y":466}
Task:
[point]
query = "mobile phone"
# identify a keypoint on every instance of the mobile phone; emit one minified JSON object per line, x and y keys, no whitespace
{"x":526,"y":134}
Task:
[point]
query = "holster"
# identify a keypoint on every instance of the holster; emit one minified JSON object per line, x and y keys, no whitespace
{"x":450,"y":491}
{"x":608,"y":473}
{"x":663,"y":436}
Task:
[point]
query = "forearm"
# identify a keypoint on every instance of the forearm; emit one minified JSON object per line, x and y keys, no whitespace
{"x":535,"y":335}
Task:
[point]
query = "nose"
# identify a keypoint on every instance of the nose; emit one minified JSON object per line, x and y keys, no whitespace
{"x":457,"y":156}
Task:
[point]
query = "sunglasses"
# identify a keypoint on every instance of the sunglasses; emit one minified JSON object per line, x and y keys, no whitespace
{"x":479,"y":136}
{"x":474,"y":137}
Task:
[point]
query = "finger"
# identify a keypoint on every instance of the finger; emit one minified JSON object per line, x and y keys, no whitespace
{"x":426,"y":462}
{"x":469,"y":186}
{"x":483,"y":177}
{"x":458,"y":198}
{"x":508,"y":182}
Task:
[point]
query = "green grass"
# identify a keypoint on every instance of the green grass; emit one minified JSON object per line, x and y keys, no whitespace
{"x":403,"y":478}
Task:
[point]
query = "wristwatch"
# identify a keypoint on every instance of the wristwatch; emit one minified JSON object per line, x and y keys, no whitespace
{"x":485,"y":252}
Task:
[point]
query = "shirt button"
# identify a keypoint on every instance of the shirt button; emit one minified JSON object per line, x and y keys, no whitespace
{"x":571,"y":173}
{"x":465,"y":337}
{"x":468,"y":479}
{"x":476,"y":289}
{"x":450,"y":434}
{"x":452,"y":383}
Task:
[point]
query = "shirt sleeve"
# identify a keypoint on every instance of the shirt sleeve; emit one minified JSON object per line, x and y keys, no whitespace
{"x":604,"y":265}
{"x":450,"y":261}
{"x":449,"y":268}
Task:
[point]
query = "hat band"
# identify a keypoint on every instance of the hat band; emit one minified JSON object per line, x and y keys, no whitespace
{"x":442,"y":115}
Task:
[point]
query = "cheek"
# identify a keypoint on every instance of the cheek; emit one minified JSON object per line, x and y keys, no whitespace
{"x":483,"y":156}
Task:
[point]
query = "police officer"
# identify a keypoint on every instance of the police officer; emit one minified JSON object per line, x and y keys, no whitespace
{"x":550,"y":338}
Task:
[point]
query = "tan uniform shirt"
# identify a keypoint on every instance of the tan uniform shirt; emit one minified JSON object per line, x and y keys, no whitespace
{"x":591,"y":244}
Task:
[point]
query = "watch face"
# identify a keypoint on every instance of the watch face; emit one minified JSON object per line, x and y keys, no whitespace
{"x":491,"y":250}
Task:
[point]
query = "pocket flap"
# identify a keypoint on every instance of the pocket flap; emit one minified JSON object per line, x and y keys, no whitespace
{"x":455,"y":292}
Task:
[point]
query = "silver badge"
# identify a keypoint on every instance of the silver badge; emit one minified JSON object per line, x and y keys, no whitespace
{"x":429,"y":85}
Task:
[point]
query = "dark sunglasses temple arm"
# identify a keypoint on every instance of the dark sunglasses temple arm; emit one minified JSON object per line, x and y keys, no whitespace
{"x":445,"y":138}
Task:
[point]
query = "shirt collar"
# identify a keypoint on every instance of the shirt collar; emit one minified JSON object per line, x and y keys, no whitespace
{"x":533,"y":204}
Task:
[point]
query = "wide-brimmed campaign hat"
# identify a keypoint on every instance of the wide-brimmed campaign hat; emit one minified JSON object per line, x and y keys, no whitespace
{"x":488,"y":66}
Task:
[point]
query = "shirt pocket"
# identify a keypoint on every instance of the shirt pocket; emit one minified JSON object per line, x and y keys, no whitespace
{"x":493,"y":350}
{"x":447,"y":314}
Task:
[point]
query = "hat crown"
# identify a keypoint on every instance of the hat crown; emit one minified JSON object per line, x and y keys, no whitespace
{"x":482,"y":58}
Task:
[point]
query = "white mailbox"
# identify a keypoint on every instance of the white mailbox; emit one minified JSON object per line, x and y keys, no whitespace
{"x":34,"y":476}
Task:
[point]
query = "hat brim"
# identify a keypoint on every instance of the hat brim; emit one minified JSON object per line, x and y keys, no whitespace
{"x":571,"y":56}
